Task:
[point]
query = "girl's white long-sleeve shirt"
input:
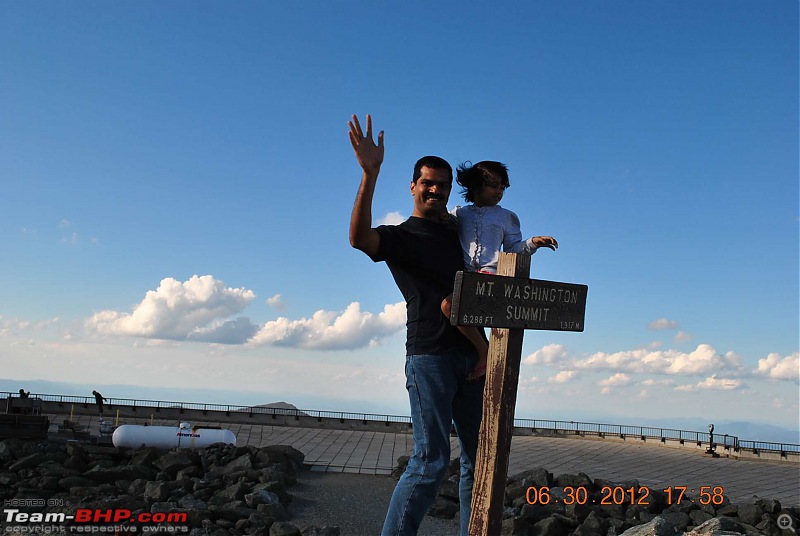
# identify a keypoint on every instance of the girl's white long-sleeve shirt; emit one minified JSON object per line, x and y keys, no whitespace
{"x":483,"y":231}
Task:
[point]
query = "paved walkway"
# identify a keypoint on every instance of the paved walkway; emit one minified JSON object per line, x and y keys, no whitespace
{"x":656,"y":467}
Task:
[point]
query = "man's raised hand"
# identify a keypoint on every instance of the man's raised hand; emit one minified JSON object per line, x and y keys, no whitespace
{"x":369,"y":155}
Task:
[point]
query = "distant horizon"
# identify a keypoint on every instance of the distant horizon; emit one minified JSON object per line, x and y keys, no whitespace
{"x":781,"y":434}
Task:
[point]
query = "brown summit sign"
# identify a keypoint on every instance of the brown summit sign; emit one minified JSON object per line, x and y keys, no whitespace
{"x":509,"y":303}
{"x":495,"y":301}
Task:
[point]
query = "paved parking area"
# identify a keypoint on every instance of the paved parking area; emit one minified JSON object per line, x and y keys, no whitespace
{"x":657,"y":467}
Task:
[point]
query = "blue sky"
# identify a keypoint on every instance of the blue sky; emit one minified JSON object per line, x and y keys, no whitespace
{"x":177,"y":184}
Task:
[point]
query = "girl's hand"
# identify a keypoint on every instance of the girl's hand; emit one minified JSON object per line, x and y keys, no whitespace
{"x":545,"y":242}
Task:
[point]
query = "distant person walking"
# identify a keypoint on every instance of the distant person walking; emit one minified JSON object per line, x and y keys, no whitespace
{"x":99,"y":399}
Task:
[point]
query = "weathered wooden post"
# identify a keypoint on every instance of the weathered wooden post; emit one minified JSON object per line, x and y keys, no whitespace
{"x":508,"y":303}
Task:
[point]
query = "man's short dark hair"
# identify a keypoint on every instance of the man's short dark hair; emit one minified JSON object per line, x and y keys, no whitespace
{"x":433,"y":162}
{"x":472,"y":177}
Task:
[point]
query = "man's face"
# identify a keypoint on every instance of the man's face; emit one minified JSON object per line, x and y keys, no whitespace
{"x":431,"y":192}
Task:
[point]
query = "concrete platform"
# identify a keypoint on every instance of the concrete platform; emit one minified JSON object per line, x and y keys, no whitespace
{"x":656,"y":467}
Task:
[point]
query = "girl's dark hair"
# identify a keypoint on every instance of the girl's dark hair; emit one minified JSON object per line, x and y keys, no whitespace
{"x":471,"y":177}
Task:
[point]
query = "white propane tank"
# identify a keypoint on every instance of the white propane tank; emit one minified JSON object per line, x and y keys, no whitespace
{"x":170,"y":437}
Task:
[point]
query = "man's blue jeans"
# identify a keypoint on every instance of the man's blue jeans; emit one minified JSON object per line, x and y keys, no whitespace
{"x":440,"y":396}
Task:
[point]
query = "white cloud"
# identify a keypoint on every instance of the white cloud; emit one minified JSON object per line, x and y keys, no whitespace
{"x":651,"y":382}
{"x":663,"y":323}
{"x":703,"y":360}
{"x":327,"y":330}
{"x":547,"y":355}
{"x":563,"y":377}
{"x":70,"y":239}
{"x":776,"y":367}
{"x":195,"y":309}
{"x":68,"y":236}
{"x":392,"y":218}
{"x":12,"y":327}
{"x":682,"y":336}
{"x":277,"y":302}
{"x":236,"y":331}
{"x":202,"y":309}
{"x":616,"y":380}
{"x":713,"y":384}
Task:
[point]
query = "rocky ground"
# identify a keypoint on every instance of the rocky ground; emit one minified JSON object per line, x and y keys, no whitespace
{"x":226,"y":490}
{"x":539,"y":504}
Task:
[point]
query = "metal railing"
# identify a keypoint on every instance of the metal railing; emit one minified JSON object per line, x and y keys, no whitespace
{"x":767,"y":446}
{"x":226,"y":408}
{"x":649,"y":432}
{"x":535,"y":425}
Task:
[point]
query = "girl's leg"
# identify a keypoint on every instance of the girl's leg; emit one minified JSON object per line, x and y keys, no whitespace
{"x":474,"y":336}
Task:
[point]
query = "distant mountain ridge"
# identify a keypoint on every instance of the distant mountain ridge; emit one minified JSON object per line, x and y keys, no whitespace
{"x":282,"y":405}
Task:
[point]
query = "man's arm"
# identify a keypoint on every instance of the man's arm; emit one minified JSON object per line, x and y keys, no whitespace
{"x":370,"y":158}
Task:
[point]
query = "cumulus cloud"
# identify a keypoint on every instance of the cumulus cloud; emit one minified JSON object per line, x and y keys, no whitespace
{"x":68,"y":236}
{"x":563,"y":377}
{"x":663,"y":323}
{"x":277,"y":302}
{"x":202,"y":309}
{"x":13,"y":327}
{"x":236,"y":331}
{"x":651,"y":382}
{"x":392,"y":218}
{"x":329,"y":330}
{"x":547,"y":355}
{"x":703,"y":360}
{"x":71,"y":239}
{"x":776,"y":367}
{"x":194,"y":309}
{"x":682,"y":336}
{"x":617,"y":380}
{"x":713,"y":384}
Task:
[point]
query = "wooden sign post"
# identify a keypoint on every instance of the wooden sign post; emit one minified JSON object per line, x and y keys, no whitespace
{"x":508,"y":303}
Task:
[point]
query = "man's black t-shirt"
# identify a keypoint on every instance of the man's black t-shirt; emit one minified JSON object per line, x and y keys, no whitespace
{"x":424,"y":257}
